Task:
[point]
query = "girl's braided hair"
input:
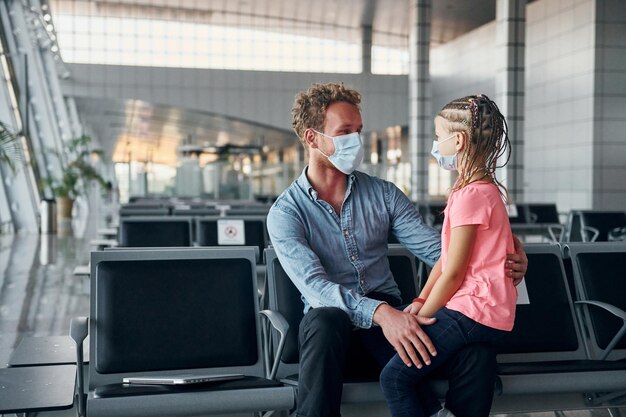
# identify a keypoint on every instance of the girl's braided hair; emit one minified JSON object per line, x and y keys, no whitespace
{"x":479,"y":117}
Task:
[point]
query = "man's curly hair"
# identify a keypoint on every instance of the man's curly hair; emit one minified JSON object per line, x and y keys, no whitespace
{"x":309,"y":108}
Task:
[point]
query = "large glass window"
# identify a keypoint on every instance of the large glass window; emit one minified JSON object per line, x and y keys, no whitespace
{"x":135,"y":34}
{"x":127,"y":34}
{"x":390,"y":54}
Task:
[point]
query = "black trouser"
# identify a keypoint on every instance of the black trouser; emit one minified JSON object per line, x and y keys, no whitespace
{"x":331,"y":352}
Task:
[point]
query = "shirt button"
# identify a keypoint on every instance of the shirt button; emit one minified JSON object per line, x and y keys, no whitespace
{"x":330,"y":210}
{"x":353,"y":257}
{"x":345,"y":232}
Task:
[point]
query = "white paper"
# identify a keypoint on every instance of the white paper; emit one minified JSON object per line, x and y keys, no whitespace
{"x":511,"y":209}
{"x":231,"y":232}
{"x":522,"y":293}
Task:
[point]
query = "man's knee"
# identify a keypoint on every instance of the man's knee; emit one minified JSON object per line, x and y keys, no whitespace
{"x":328,"y":323}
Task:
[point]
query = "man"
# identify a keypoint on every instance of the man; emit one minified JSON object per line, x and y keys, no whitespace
{"x":330,"y":231}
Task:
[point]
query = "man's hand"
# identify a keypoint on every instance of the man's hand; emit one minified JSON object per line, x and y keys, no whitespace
{"x":404,"y":333}
{"x":516,"y":263}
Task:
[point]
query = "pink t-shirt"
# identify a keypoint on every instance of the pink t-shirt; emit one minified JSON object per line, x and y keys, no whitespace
{"x":486,"y":295}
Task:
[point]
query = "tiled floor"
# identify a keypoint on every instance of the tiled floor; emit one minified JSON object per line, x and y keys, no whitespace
{"x":39,"y":295}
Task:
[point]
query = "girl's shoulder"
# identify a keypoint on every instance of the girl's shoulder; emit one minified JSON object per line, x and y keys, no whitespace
{"x":481,"y":187}
{"x":477,"y":190}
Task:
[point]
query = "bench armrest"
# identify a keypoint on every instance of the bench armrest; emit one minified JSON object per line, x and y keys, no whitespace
{"x":553,"y":229}
{"x":594,"y":233}
{"x":280,"y":324}
{"x":618,"y":312}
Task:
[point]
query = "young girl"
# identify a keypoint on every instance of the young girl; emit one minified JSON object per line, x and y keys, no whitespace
{"x":467,"y":291}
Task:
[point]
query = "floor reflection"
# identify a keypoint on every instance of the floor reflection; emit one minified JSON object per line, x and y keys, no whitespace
{"x":38,"y":292}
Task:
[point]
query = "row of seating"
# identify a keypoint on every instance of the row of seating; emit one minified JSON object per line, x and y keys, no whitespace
{"x":167,"y":231}
{"x":258,"y":200}
{"x":191,"y":209}
{"x":526,"y":219}
{"x":520,"y":213}
{"x":594,"y":226}
{"x":565,"y":339}
{"x":526,"y":213}
{"x":195,"y":310}
{"x":581,"y":225}
{"x":567,"y":349}
{"x":543,"y":219}
{"x":197,"y":313}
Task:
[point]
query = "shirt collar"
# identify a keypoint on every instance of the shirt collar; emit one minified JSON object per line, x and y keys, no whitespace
{"x":304,"y":183}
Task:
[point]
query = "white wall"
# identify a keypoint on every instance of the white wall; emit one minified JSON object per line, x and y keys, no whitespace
{"x":575,"y":108}
{"x":575,"y":103}
{"x":464,"y":66}
{"x":559,"y":102}
{"x":259,"y":96}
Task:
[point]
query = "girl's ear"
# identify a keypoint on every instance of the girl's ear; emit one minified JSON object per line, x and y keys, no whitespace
{"x":309,"y":138}
{"x":462,"y":141}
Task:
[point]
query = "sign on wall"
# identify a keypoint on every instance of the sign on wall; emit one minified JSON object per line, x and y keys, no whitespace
{"x":231,"y":232}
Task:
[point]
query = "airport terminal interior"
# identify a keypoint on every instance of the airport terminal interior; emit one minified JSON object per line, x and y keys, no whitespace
{"x":143,"y":143}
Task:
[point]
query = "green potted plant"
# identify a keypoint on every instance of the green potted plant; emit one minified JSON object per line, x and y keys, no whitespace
{"x":78,"y":175}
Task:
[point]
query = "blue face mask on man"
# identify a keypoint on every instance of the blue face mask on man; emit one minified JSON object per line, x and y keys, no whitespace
{"x":348,"y":153}
{"x":447,"y":162}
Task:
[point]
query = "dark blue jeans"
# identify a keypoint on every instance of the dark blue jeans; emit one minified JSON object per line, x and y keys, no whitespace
{"x":404,"y":388}
{"x":332,"y":352}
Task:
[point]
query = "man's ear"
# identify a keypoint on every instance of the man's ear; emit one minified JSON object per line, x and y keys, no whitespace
{"x":309,"y":138}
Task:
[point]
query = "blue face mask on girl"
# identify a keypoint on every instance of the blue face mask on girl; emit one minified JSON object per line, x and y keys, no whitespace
{"x":348,"y":153}
{"x":447,"y":162}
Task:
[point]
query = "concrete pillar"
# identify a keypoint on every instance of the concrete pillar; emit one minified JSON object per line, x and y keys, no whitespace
{"x":367,"y":21}
{"x":510,"y":43}
{"x":420,"y":95}
{"x":366,"y":45}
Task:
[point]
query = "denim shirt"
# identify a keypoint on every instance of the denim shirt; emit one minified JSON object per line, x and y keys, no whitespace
{"x":336,"y":260}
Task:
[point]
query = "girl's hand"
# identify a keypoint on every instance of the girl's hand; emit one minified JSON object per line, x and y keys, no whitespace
{"x":516,"y":263}
{"x":413,"y":308}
